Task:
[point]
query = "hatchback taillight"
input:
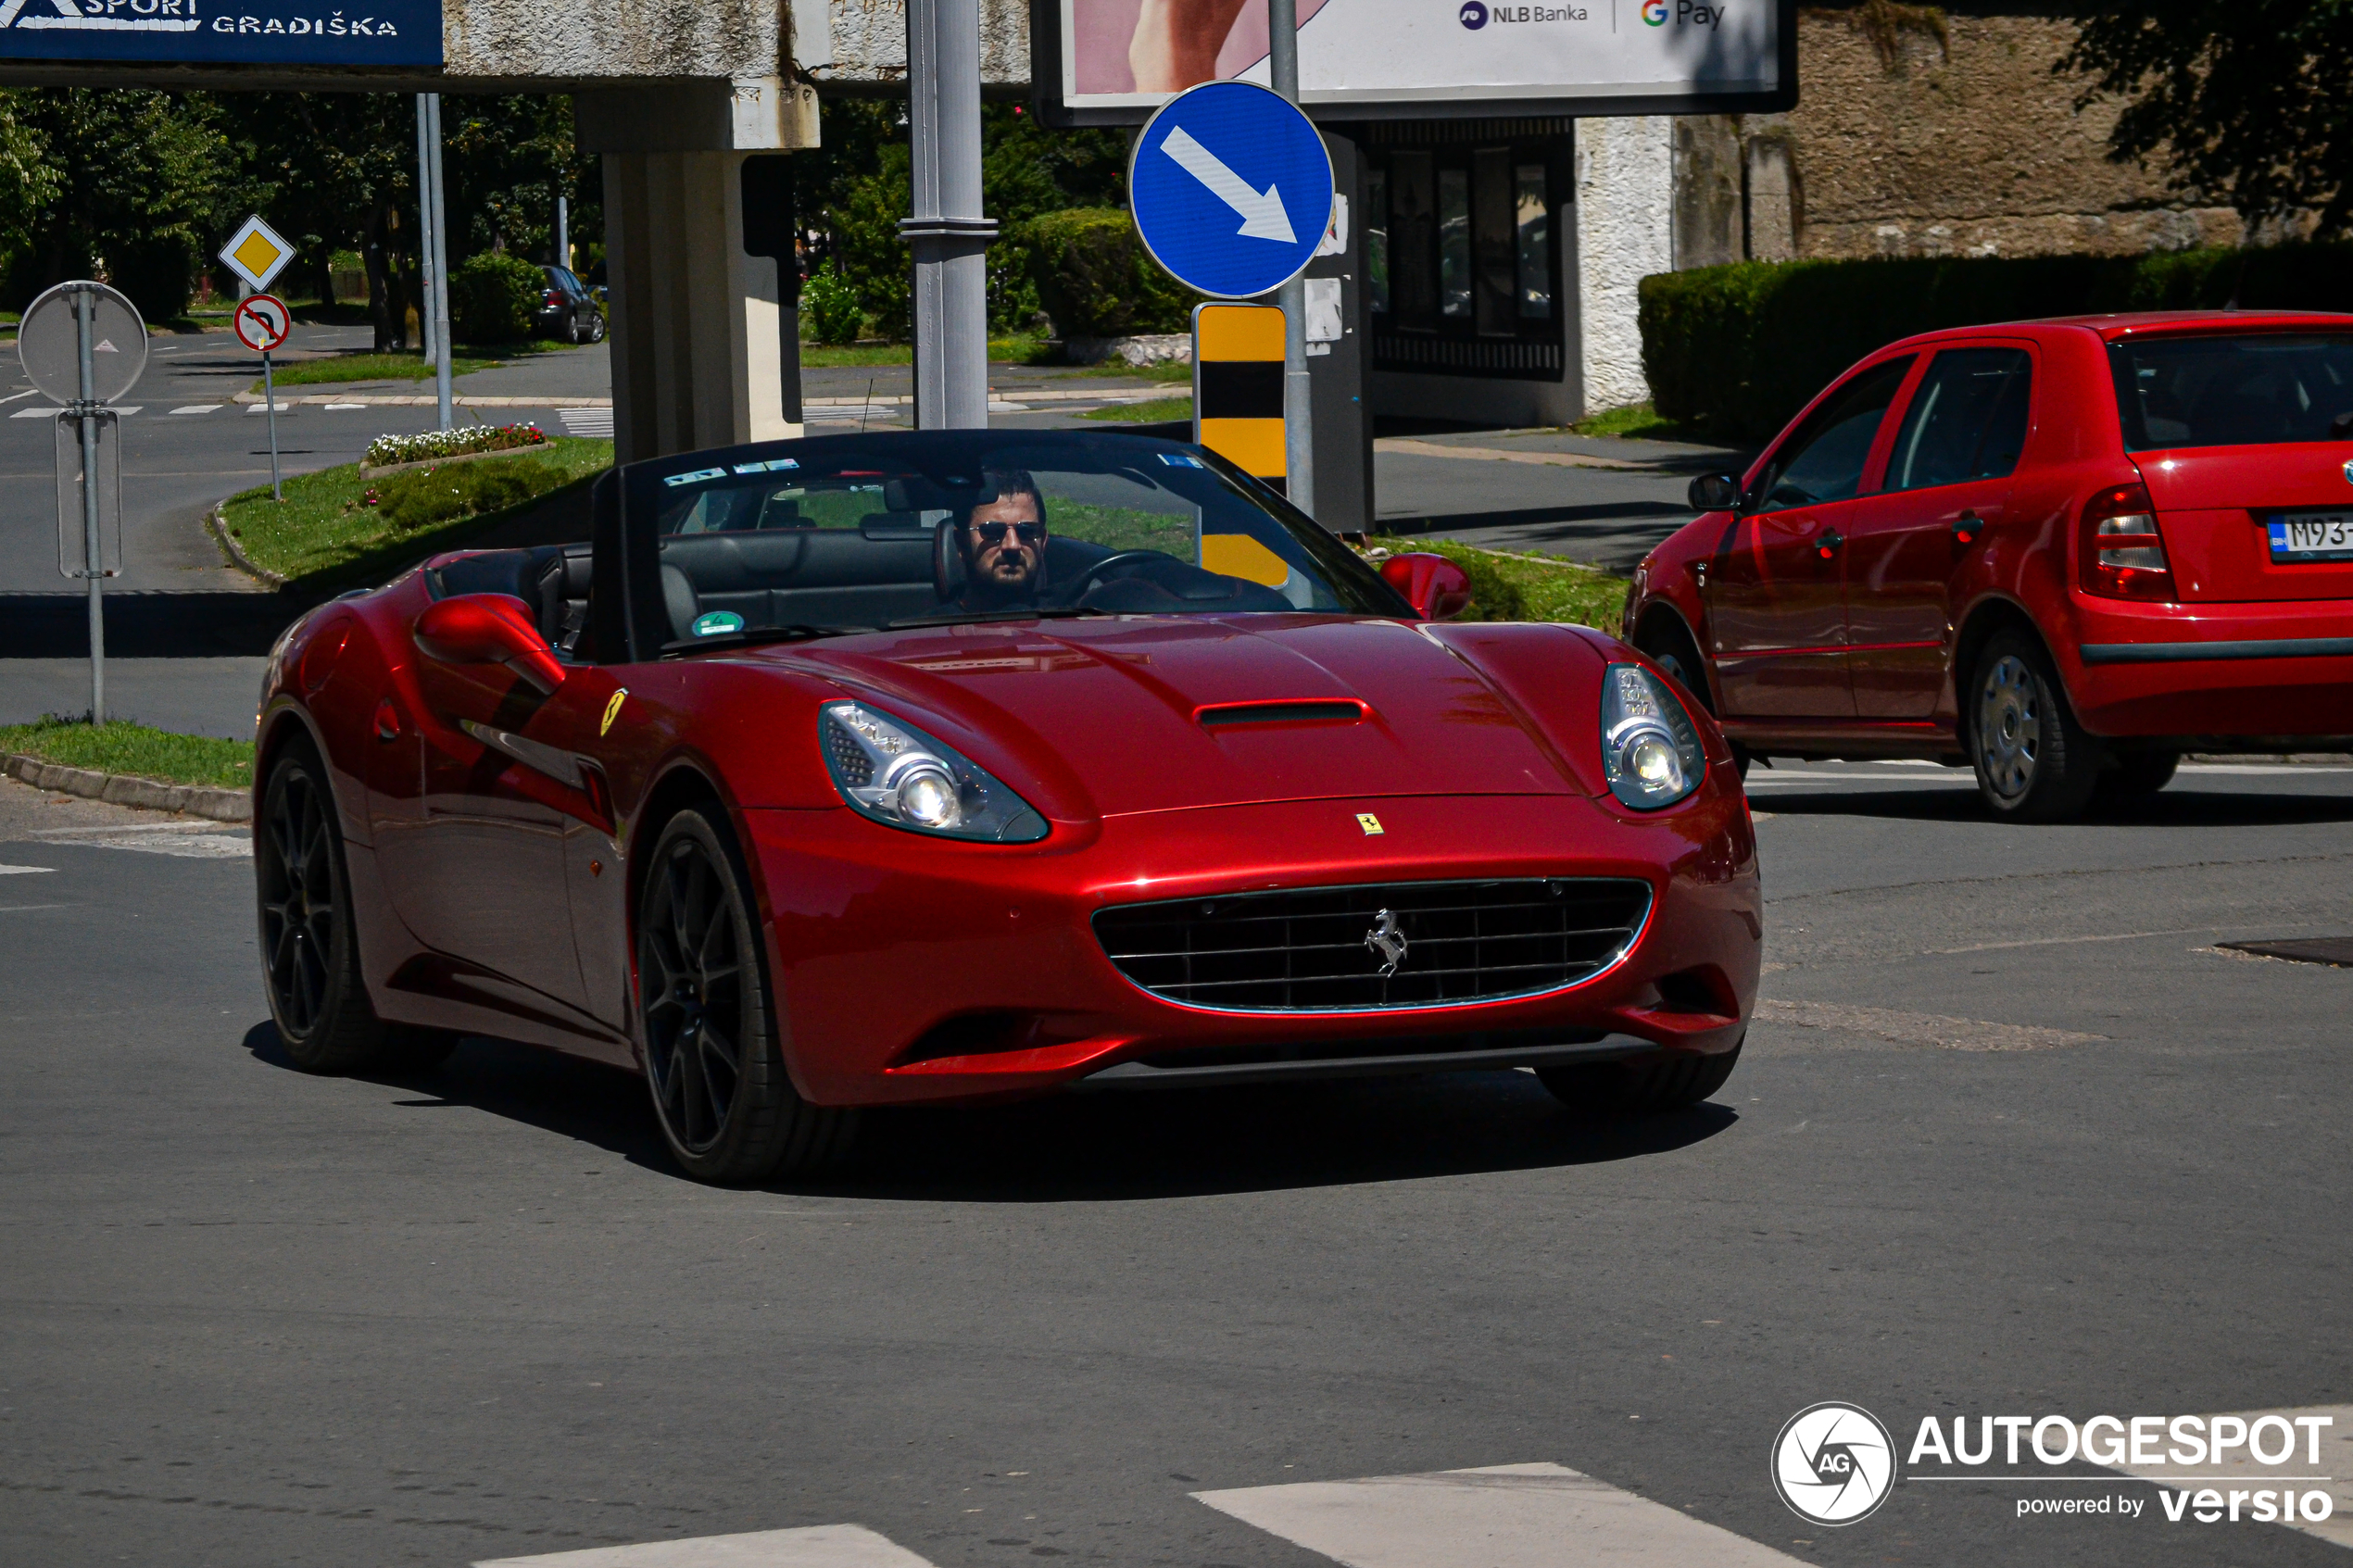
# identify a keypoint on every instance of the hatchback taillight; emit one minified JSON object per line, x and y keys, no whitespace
{"x":553,"y":298}
{"x":2122,"y":555}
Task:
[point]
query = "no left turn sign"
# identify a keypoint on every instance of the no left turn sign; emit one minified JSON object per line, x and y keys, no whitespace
{"x":262,"y":322}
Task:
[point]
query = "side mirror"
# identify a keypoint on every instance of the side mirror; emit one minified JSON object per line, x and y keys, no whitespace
{"x":1715,"y":492}
{"x":489,"y":629}
{"x":1436,"y":587}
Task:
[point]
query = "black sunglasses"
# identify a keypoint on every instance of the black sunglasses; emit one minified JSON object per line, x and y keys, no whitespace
{"x":994,"y":533}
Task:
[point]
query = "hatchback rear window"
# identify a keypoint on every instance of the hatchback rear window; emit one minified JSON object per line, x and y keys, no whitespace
{"x":2256,"y":390}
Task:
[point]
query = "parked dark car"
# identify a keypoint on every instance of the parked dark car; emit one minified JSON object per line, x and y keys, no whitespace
{"x":569,"y":310}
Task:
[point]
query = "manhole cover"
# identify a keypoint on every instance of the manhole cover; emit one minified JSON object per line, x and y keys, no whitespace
{"x":2336,"y":952}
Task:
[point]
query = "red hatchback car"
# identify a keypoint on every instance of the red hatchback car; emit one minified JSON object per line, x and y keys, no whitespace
{"x":2066,"y":551}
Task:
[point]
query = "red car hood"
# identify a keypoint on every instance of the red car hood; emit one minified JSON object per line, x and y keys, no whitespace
{"x":1108,"y":711}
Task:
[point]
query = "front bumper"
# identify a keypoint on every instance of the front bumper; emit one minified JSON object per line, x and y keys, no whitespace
{"x":2280,"y":668}
{"x":913,"y":969}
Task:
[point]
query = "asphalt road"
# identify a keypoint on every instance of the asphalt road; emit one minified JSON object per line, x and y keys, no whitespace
{"x":2012,"y":1135}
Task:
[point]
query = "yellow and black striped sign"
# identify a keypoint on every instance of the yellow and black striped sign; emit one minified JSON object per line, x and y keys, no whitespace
{"x":1238,"y":386}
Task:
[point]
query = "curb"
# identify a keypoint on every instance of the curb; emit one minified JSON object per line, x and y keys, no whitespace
{"x":127,"y":789}
{"x":404,"y":400}
{"x":216,"y":522}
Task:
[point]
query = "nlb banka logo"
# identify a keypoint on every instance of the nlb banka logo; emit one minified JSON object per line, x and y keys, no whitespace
{"x":1474,"y":15}
{"x":1654,"y":12}
{"x":1833,"y":1463}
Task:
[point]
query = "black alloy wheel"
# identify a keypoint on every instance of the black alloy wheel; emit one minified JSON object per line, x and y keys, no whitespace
{"x":309,"y":947}
{"x":726,"y":1107}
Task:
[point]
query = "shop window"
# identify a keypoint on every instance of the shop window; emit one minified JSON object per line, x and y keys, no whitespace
{"x":1453,"y":242}
{"x":1412,"y":234}
{"x":1376,"y":240}
{"x":1532,"y":218}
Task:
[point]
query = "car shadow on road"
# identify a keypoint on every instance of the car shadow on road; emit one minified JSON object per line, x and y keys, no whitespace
{"x":1171,"y":1143}
{"x":2175,"y":807}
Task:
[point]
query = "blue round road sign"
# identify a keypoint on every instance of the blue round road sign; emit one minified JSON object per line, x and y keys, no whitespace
{"x":1231,"y":189}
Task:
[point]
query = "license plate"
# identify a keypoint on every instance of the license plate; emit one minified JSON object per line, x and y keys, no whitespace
{"x":2302,"y":537}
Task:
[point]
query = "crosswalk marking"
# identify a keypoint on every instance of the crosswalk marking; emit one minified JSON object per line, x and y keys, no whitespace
{"x":594,"y":423}
{"x":2336,"y":1469}
{"x":196,"y":408}
{"x":264,"y":407}
{"x":821,"y":1546}
{"x":1502,"y":1516}
{"x":40,"y":411}
{"x":24,"y":871}
{"x":342,"y":407}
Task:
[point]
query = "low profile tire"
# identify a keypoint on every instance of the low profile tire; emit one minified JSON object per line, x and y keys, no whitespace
{"x":2138,"y":775}
{"x":309,"y":947}
{"x":1652,"y":1086}
{"x":720,"y":1091}
{"x":2034,"y":762}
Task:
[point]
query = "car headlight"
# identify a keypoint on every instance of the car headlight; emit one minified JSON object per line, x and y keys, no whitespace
{"x":897,"y":775}
{"x":1650,"y":752}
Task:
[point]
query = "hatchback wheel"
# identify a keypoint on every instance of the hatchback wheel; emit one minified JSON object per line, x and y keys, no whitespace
{"x":2034,"y":762}
{"x":727,"y":1109}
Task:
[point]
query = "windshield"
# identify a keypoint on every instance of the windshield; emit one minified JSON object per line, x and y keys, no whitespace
{"x":2255,"y":390}
{"x":870,"y":531}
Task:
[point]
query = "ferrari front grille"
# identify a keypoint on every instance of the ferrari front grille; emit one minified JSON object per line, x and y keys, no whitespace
{"x":1385,"y":945}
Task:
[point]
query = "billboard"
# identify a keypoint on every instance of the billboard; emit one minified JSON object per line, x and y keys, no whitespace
{"x":1109,"y":62}
{"x":371,"y":32}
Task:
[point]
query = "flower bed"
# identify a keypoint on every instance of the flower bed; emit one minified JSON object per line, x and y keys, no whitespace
{"x":385,"y":450}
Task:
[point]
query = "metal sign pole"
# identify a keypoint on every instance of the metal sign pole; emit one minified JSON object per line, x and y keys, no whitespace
{"x":425,"y":230}
{"x":440,"y":264}
{"x":563,"y":233}
{"x":270,"y":400}
{"x":1299,"y":435}
{"x":946,"y":232}
{"x":85,"y":306}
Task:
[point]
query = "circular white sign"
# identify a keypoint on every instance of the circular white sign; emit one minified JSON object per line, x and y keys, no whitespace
{"x":262,"y":322}
{"x":48,"y":341}
{"x":1833,"y":1463}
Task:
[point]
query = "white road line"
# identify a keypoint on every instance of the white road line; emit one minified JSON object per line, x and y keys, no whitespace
{"x":596,"y":422}
{"x":1505,"y":1516}
{"x":28,"y":391}
{"x":27,"y":871}
{"x":2335,"y":1461}
{"x":36,"y":413}
{"x":187,"y":842}
{"x":342,"y":407}
{"x":198,"y":408}
{"x":821,"y":1546}
{"x":264,"y":407}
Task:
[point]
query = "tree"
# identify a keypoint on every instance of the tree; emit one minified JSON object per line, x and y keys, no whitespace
{"x":2244,"y":98}
{"x":140,"y":181}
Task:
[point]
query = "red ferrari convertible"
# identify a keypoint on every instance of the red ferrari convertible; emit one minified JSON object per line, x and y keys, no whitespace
{"x":960,"y":766}
{"x":2064,"y":552}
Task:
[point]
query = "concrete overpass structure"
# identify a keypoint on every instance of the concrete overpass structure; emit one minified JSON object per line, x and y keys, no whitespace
{"x":691,"y":102}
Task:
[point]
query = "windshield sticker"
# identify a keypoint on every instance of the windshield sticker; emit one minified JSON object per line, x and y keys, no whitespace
{"x":718,"y":623}
{"x":1180,"y":459}
{"x":774,"y":465}
{"x":695,"y":478}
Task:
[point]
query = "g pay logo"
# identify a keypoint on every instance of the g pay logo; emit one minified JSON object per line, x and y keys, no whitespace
{"x":1654,"y":12}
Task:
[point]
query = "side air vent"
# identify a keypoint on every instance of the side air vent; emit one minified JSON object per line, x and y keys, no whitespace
{"x":1226,"y":714}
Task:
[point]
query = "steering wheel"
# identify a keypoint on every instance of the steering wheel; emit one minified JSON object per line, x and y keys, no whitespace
{"x":1087,"y":579}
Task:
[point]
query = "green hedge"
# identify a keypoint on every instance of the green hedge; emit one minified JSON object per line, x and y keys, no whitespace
{"x":1732,"y":352}
{"x":1095,"y":279}
{"x":494,"y":296}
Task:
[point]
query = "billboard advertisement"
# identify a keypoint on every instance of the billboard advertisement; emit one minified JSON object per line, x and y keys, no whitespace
{"x":1114,"y":61}
{"x":373,"y":32}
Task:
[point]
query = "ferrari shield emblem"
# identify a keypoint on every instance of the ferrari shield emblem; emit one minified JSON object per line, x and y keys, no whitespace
{"x":613,"y":712}
{"x":1370,"y":823}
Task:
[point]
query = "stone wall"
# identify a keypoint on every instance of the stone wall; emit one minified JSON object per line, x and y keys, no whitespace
{"x":1968,"y":145}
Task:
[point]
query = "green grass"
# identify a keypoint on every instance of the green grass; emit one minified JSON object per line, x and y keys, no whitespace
{"x":1167,"y":370}
{"x":1155,"y":411}
{"x":123,"y":747}
{"x":1508,"y":587}
{"x":321,"y":535}
{"x":366,"y":367}
{"x":1020,"y":349}
{"x":1638,"y":422}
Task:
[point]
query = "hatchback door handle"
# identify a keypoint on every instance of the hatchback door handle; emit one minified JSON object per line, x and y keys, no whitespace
{"x":1967,"y":527}
{"x":1826,"y":546}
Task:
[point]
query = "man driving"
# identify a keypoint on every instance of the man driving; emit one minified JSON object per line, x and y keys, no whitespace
{"x":1003,"y":543}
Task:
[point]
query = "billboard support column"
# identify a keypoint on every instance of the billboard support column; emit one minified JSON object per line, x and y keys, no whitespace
{"x":946,"y":232}
{"x":1299,"y":435}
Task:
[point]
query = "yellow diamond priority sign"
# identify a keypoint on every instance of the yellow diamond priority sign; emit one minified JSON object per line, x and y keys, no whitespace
{"x":256,"y":252}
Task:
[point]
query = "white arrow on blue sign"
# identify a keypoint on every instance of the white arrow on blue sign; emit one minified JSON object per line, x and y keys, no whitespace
{"x":1231,"y":189}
